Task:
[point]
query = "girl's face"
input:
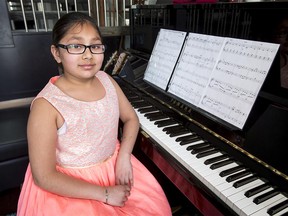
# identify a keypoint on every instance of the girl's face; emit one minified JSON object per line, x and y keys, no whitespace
{"x":81,"y":66}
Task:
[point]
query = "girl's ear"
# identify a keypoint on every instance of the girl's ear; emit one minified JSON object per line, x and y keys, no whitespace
{"x":55,"y":53}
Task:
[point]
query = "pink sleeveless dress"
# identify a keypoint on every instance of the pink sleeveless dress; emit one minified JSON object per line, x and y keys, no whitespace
{"x":85,"y":141}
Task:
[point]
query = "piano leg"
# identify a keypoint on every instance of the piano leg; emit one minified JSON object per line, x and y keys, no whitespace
{"x":189,"y":190}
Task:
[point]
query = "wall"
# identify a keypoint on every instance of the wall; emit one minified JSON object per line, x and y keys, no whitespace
{"x":26,"y":67}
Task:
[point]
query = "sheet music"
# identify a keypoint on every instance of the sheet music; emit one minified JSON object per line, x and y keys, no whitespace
{"x":222,"y":76}
{"x":236,"y":80}
{"x":195,"y":66}
{"x":164,"y":56}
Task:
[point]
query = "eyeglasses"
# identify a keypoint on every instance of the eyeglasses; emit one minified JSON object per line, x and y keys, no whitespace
{"x":81,"y":48}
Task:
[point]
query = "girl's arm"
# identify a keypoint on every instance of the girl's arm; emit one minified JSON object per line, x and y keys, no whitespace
{"x":124,"y":173}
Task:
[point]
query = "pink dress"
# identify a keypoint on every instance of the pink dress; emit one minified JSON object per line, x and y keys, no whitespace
{"x":87,"y":138}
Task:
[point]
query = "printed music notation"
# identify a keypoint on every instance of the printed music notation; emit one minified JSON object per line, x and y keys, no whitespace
{"x":237,"y":78}
{"x":164,"y":56}
{"x":195,"y":66}
{"x":222,"y":76}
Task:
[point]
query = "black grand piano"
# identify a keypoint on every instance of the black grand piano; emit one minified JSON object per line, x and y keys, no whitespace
{"x":222,"y":170}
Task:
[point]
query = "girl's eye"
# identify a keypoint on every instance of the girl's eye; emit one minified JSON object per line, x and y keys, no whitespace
{"x":75,"y":46}
{"x":95,"y":46}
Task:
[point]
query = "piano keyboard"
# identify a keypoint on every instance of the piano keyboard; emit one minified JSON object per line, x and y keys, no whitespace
{"x":241,"y":189}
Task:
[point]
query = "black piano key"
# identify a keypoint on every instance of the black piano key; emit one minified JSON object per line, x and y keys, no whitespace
{"x":196,"y":146}
{"x":216,"y":159}
{"x":266,"y":196}
{"x":188,"y":141}
{"x":277,"y":208}
{"x":204,"y":149}
{"x":171,"y":127}
{"x":238,"y":175}
{"x":147,"y":109}
{"x":157,"y":117}
{"x":257,"y":189}
{"x":176,"y":129}
{"x":134,"y":99}
{"x":178,"y":133}
{"x":138,"y":104}
{"x":204,"y":154}
{"x":245,"y":181}
{"x":166,"y":122}
{"x":221,"y":164}
{"x":231,"y":170}
{"x":149,"y":115}
{"x":179,"y":139}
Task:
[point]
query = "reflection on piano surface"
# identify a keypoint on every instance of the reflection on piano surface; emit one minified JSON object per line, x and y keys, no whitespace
{"x":222,"y":171}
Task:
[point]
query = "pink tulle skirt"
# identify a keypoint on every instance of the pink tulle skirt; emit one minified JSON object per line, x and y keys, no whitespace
{"x":147,"y":197}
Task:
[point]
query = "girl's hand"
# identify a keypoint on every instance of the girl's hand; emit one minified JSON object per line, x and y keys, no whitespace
{"x":123,"y":170}
{"x":117,"y":195}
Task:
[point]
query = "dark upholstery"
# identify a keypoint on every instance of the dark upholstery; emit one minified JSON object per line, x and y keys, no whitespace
{"x":13,"y":146}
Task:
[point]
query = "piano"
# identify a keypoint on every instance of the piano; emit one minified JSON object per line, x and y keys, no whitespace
{"x":221,"y":170}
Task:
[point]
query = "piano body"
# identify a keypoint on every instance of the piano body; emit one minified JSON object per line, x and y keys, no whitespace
{"x":220,"y":169}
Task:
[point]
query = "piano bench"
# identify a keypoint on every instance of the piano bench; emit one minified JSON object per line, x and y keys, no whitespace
{"x":12,"y":173}
{"x":13,"y":146}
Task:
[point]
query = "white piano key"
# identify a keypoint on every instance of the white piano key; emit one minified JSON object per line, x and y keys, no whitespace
{"x":252,"y":208}
{"x":263,"y":207}
{"x":263,"y":211}
{"x":240,"y":195}
{"x":232,"y":190}
{"x":215,"y":179}
{"x":239,"y":205}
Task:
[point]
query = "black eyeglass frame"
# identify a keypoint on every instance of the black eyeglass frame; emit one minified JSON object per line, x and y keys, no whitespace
{"x":63,"y":46}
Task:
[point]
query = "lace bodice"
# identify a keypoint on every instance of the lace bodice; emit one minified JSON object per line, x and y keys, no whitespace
{"x":89,"y":134}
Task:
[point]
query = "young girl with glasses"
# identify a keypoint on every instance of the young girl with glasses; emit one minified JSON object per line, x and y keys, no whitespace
{"x":77,"y":164}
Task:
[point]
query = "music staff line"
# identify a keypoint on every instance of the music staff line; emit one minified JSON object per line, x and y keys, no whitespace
{"x":197,"y":65}
{"x":263,"y":57}
{"x":182,"y":91}
{"x":156,"y":78}
{"x":203,"y":58}
{"x":252,"y":74}
{"x":262,"y":47}
{"x":167,"y":42}
{"x":231,"y":114}
{"x":232,"y":91}
{"x":160,"y":55}
{"x":202,"y":48}
{"x":192,"y":78}
{"x":214,"y":41}
{"x":161,"y":65}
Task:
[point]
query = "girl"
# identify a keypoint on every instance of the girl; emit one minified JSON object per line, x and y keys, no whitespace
{"x":77,"y":165}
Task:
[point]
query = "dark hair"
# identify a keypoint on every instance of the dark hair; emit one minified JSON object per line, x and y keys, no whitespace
{"x":69,"y":20}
